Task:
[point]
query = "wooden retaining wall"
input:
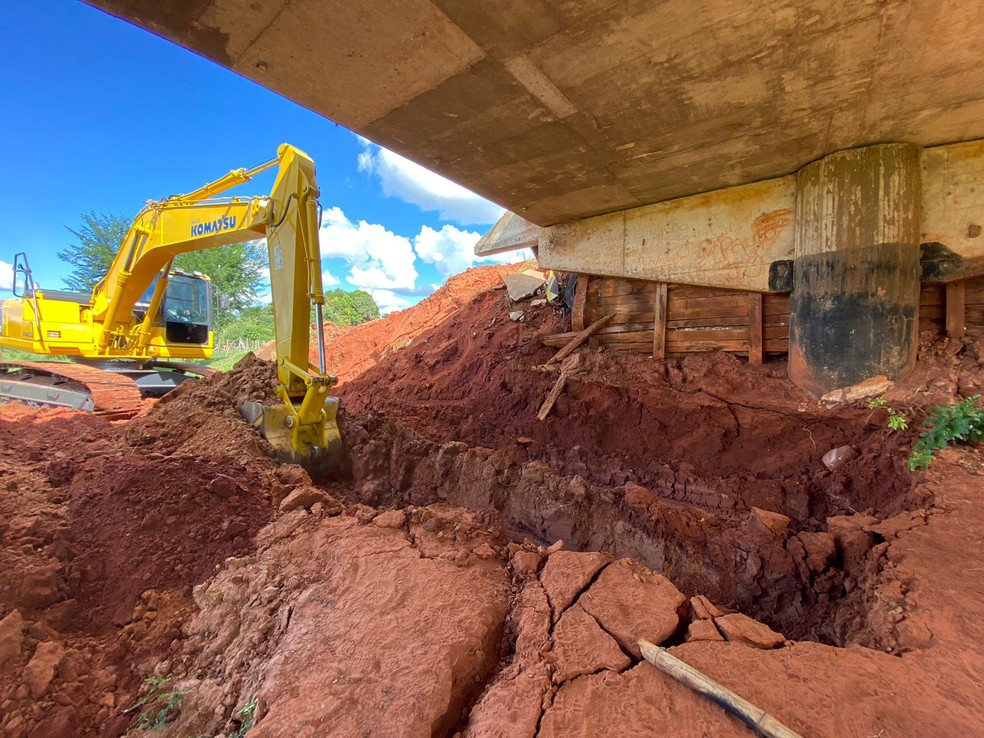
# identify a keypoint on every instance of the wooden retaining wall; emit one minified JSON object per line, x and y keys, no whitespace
{"x":694,"y":319}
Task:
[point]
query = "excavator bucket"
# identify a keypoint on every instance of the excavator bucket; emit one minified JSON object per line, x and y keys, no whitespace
{"x":316,"y":445}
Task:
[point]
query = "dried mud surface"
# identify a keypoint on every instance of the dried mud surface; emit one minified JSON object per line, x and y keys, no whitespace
{"x":170,"y":559}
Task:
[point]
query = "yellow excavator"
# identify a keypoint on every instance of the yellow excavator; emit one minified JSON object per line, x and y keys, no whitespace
{"x":145,"y":321}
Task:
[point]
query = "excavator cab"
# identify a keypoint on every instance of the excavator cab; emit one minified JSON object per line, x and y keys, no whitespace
{"x":186,"y":310}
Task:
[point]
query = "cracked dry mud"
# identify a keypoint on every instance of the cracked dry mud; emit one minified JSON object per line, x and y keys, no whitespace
{"x":427,"y":593}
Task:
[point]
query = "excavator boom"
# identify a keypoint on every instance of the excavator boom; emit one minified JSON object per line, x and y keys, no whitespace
{"x":144,"y":312}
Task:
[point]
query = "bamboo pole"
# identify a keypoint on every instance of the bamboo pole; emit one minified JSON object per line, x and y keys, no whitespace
{"x":755,"y":718}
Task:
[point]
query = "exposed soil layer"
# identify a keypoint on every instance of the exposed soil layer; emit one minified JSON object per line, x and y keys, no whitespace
{"x":706,"y":469}
{"x":706,"y":430}
{"x":106,"y":527}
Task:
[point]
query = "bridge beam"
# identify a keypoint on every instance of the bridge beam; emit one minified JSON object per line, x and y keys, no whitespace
{"x":851,"y":235}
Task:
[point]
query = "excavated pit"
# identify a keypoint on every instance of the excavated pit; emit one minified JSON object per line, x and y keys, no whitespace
{"x":704,"y":468}
{"x":164,"y":546}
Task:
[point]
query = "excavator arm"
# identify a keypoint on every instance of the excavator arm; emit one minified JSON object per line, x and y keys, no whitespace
{"x":302,"y":426}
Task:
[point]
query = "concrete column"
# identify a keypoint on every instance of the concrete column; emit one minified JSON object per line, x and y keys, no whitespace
{"x":855,"y":301}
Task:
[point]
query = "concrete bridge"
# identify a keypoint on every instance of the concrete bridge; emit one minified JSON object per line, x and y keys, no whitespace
{"x":831,"y":149}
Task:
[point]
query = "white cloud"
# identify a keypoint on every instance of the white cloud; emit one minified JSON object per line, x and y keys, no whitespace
{"x":413,"y":183}
{"x":388,"y":301}
{"x":6,"y":276}
{"x":329,"y":280}
{"x":451,"y":250}
{"x":379,"y":258}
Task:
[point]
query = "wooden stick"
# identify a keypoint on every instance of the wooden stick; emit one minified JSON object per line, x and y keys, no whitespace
{"x":548,"y":403}
{"x":659,"y":325}
{"x":580,"y":303}
{"x":955,"y":309}
{"x":580,"y":338}
{"x":755,"y":328}
{"x":755,"y":718}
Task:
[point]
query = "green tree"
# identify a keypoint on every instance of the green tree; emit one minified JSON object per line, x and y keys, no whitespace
{"x":99,"y":239}
{"x":350,"y":308}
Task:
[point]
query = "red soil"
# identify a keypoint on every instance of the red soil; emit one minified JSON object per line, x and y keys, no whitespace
{"x":351,"y":350}
{"x":158,"y":547}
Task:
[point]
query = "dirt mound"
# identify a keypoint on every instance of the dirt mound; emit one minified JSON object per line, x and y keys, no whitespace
{"x":106,"y":528}
{"x":167,"y":572}
{"x":351,"y":350}
{"x":705,"y":430}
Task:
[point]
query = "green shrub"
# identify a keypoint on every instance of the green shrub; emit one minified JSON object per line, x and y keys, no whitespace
{"x":946,"y":424}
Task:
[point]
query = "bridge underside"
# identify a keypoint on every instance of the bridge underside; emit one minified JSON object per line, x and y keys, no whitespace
{"x":833,"y":149}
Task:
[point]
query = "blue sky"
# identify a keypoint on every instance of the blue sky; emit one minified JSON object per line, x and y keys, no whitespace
{"x":99,"y":115}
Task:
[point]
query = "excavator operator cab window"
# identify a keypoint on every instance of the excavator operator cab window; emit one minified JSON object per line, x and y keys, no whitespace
{"x":187,"y":309}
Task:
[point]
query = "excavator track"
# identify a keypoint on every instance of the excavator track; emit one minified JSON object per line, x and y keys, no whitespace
{"x":114,"y":396}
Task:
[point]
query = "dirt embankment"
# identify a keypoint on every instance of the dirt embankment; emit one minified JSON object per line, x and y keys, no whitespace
{"x":704,"y":468}
{"x":166,"y":571}
{"x":352,"y":350}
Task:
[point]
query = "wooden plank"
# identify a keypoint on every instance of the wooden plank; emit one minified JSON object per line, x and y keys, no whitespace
{"x":548,"y":403}
{"x":934,"y":312}
{"x":777,"y":346}
{"x":932,"y":294}
{"x":644,"y":327}
{"x":929,"y":325}
{"x":768,"y":320}
{"x":627,"y":337}
{"x":739,"y":334}
{"x":688,"y":291}
{"x":775,"y":331}
{"x":775,"y":305}
{"x":659,"y":321}
{"x":557,"y":340}
{"x":647,"y":316}
{"x":955,"y":309}
{"x":580,"y":338}
{"x":625,"y":302}
{"x":716,"y":307}
{"x":707,"y":322}
{"x":614,"y":287}
{"x":755,"y":328}
{"x":974,"y":291}
{"x":580,"y":302}
{"x":974,"y":315}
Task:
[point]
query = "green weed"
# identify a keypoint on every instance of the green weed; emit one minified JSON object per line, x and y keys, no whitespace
{"x":159,"y":706}
{"x":960,"y":422}
{"x":247,"y":718}
{"x":897,"y":420}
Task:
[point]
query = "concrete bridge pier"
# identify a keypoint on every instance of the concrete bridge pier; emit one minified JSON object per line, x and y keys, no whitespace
{"x":856,"y":275}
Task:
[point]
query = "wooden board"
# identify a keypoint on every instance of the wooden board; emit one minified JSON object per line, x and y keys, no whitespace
{"x":755,"y":347}
{"x":974,"y":291}
{"x":955,"y":309}
{"x":687,"y":291}
{"x":659,"y":321}
{"x":613,"y":287}
{"x":580,"y":302}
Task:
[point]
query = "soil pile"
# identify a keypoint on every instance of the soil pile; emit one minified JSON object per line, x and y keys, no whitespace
{"x":106,"y":528}
{"x":165,"y":572}
{"x":351,"y":350}
{"x":706,"y":469}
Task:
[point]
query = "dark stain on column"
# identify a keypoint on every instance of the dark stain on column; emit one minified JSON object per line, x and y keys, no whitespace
{"x":855,"y":314}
